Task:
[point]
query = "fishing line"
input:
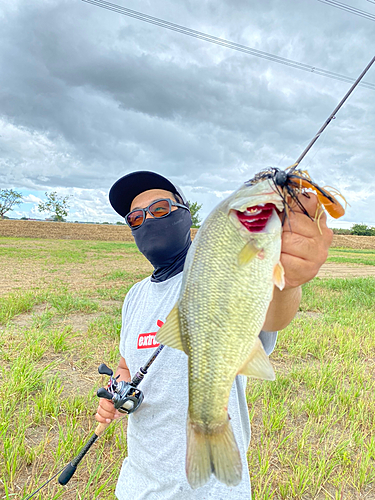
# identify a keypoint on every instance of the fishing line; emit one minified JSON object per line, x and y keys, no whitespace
{"x":303,"y":143}
{"x":221,"y":41}
{"x":44,"y":484}
{"x":318,"y":150}
{"x":282,"y":159}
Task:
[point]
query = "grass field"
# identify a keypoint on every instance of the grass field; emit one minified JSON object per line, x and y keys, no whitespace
{"x":313,"y":429}
{"x":352,"y":256}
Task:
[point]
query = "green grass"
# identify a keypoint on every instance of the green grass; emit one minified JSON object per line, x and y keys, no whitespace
{"x":313,"y":428}
{"x":67,"y":303}
{"x":352,"y":256}
{"x":64,"y":252}
{"x":318,"y":417}
{"x":17,"y":303}
{"x":358,"y":251}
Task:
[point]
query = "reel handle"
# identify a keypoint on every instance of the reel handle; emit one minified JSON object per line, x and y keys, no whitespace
{"x":104,"y":370}
{"x":103,"y":393}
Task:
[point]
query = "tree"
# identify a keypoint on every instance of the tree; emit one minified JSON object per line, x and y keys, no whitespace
{"x":8,"y":199}
{"x":194,"y":210}
{"x":362,"y":230}
{"x":56,"y":205}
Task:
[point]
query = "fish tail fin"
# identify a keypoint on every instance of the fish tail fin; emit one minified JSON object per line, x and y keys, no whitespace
{"x":214,"y":452}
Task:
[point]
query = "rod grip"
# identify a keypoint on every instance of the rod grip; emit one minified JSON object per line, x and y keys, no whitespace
{"x":101,"y":428}
{"x":70,"y":469}
{"x":67,"y":473}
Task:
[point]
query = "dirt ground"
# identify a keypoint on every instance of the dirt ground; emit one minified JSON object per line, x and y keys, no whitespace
{"x":350,"y":241}
{"x":66,"y":230}
{"x":334,"y":270}
{"x":19,"y":274}
{"x":23,"y":276}
{"x":107,"y":232}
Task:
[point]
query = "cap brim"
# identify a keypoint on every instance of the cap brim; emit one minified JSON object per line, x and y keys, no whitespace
{"x":123,"y":191}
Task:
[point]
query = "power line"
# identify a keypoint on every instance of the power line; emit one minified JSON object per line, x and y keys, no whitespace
{"x":224,"y":43}
{"x":350,"y":9}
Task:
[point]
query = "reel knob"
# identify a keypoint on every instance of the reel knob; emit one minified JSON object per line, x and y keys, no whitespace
{"x":102,"y":393}
{"x":104,"y":370}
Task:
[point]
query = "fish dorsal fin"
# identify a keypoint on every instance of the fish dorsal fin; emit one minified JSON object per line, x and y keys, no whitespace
{"x":278,"y":277}
{"x":258,"y":365}
{"x":170,"y":334}
{"x":249,"y":251}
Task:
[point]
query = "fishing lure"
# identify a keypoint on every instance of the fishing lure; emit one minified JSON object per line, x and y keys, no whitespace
{"x":291,"y":182}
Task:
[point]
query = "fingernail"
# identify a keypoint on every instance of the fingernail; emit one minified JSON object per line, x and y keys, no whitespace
{"x":108,"y":420}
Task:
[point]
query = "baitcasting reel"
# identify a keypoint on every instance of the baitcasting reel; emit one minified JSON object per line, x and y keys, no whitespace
{"x":124,"y":395}
{"x":126,"y":399}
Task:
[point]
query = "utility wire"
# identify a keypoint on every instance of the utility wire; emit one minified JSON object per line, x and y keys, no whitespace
{"x":225,"y":43}
{"x":350,"y":9}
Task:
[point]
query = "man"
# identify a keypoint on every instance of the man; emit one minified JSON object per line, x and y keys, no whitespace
{"x":160,"y":221}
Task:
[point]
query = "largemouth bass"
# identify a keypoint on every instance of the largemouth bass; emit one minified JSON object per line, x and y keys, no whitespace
{"x":229,"y":277}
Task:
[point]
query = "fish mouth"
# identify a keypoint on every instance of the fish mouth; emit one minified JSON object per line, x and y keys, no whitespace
{"x":255,"y":218}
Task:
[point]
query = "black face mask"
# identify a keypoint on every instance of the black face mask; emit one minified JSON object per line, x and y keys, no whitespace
{"x":165,"y":242}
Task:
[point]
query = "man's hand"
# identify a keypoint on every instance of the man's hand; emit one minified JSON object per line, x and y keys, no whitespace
{"x":303,"y":251}
{"x":304,"y":248}
{"x":106,"y":412}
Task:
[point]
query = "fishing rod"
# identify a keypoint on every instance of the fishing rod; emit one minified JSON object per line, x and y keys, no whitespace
{"x":332,"y":116}
{"x":126,"y":398}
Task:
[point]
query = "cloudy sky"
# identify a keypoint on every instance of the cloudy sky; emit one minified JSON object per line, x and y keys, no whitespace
{"x":88,"y":95}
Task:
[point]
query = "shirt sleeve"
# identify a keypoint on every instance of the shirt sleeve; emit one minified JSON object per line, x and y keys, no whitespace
{"x":124,"y":320}
{"x":268,"y":340}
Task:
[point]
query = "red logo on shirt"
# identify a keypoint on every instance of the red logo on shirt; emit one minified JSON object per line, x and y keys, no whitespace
{"x":147,"y":340}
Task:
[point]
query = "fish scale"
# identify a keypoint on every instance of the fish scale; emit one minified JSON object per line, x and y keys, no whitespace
{"x":225,"y":287}
{"x":225,"y":293}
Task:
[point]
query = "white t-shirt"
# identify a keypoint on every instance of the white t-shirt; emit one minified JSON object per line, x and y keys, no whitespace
{"x":155,"y":466}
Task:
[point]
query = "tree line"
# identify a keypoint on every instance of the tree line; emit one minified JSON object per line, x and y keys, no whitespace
{"x":58,"y":206}
{"x":357,"y":230}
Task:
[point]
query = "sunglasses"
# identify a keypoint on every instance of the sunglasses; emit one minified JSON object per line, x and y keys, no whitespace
{"x":157,"y":209}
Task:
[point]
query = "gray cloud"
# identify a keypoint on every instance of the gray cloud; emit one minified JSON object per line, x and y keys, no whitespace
{"x":87,"y":95}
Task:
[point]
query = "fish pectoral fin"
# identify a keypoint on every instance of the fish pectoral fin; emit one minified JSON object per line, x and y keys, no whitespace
{"x":258,"y":365}
{"x":249,"y":251}
{"x":170,"y":334}
{"x":278,"y":277}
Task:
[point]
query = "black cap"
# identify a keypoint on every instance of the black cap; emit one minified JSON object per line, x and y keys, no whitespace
{"x":123,"y":191}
